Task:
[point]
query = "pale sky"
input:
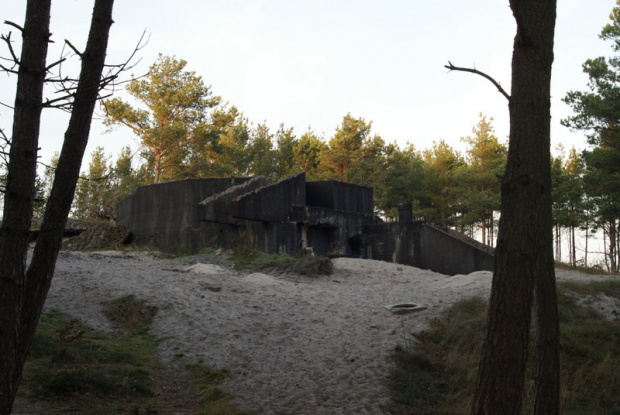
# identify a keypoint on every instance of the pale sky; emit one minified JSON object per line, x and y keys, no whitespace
{"x":309,"y":63}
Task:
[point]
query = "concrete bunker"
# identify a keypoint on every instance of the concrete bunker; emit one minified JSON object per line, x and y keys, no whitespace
{"x":327,"y":218}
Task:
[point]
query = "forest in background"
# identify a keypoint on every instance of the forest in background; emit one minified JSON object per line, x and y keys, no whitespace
{"x":185,"y":131}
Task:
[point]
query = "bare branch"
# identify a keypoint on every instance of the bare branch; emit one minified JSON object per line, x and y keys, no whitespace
{"x":7,"y":40}
{"x":4,"y":68}
{"x":88,"y":179}
{"x":66,"y":86}
{"x":58,"y":62}
{"x":477,"y":72}
{"x":15,"y":25}
{"x":77,"y":52}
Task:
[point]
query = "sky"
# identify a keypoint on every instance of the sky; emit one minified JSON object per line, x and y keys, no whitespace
{"x":306,"y":64}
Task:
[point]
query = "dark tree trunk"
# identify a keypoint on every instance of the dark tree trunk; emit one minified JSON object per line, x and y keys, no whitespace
{"x":524,"y":249}
{"x":23,"y":292}
{"x":19,"y":196}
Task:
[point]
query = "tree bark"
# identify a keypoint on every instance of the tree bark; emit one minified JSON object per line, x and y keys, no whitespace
{"x":24,"y":291}
{"x":524,"y":247}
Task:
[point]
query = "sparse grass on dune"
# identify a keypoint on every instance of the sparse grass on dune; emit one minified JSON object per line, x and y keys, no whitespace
{"x":438,"y":375}
{"x":74,"y":369}
{"x":590,"y":270}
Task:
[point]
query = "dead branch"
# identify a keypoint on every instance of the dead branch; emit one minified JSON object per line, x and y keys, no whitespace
{"x":4,"y":68}
{"x":7,"y":40}
{"x":89,"y":179}
{"x":67,"y":86}
{"x":77,"y":52}
{"x":15,"y":25}
{"x":58,"y":62}
{"x":451,"y":67}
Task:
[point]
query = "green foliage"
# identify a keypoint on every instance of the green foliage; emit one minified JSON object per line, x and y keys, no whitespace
{"x":244,"y":258}
{"x":214,"y":400}
{"x":104,"y":185}
{"x":261,"y":152}
{"x":307,"y":154}
{"x":400,"y":180}
{"x":481,"y":178}
{"x":174,"y":106}
{"x":221,"y":147}
{"x":91,"y":195}
{"x":353,"y":156}
{"x":439,"y":375}
{"x":284,"y":153}
{"x":440,"y":200}
{"x":72,"y":368}
{"x":597,"y":113}
{"x":69,"y":360}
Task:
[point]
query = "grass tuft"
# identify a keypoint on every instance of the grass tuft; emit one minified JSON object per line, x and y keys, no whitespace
{"x":214,"y":400}
{"x":244,"y":258}
{"x":130,"y":314}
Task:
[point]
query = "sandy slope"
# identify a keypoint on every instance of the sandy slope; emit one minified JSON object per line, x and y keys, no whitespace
{"x":293,"y":345}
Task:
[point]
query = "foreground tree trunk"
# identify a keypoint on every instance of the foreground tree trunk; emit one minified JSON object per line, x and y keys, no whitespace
{"x":524,"y":252}
{"x":19,"y":195}
{"x":23,"y":292}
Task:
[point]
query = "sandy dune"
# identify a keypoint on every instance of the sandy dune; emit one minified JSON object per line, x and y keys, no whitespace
{"x":293,"y":345}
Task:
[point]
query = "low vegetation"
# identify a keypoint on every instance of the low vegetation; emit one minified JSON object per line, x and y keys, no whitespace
{"x":590,"y":270}
{"x":437,"y":375}
{"x":74,"y":369}
{"x":213,"y":400}
{"x":244,"y":258}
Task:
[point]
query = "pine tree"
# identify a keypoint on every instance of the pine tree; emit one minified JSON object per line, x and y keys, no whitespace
{"x":173,"y":106}
{"x":486,"y":162}
{"x":597,"y":112}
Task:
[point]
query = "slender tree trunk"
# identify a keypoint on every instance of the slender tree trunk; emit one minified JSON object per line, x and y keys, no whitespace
{"x":573,"y":246}
{"x":484,"y":228}
{"x":490,"y":230}
{"x":570,"y":249}
{"x":585,"y":254}
{"x":617,"y":245}
{"x":157,"y":169}
{"x":558,"y":244}
{"x":613,"y":265}
{"x":24,"y":294}
{"x":524,"y":247}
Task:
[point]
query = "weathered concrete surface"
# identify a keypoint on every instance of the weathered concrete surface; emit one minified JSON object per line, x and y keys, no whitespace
{"x":271,"y":203}
{"x":290,"y":216}
{"x":425,"y":246}
{"x":165,"y":215}
{"x":329,"y":232}
{"x":217,"y":208}
{"x":444,"y":253}
{"x":344,"y":197}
